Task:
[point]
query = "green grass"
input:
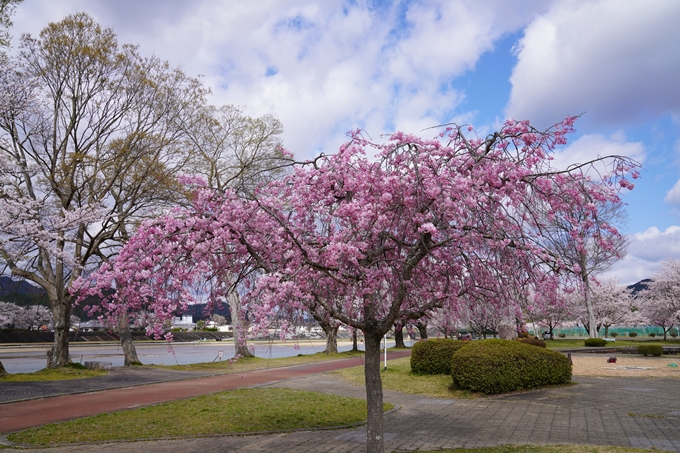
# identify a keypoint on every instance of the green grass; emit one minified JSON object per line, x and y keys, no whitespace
{"x":53,"y":374}
{"x":398,"y":377}
{"x":546,"y":449}
{"x":246,"y":364}
{"x":239,"y":411}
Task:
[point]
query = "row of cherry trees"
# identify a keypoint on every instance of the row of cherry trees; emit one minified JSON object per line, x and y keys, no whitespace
{"x":93,"y":137}
{"x":374,"y":234}
{"x":13,"y":316}
{"x":613,"y":305}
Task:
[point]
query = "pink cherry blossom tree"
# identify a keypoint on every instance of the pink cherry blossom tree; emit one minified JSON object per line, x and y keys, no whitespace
{"x":372,"y":234}
{"x":549,"y":308}
{"x":586,"y":239}
{"x":612,"y":304}
{"x":660,"y":303}
{"x":445,"y":320}
{"x":89,"y":140}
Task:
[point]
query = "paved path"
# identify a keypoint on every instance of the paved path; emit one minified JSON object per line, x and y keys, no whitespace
{"x":635,"y":412}
{"x":80,"y":398}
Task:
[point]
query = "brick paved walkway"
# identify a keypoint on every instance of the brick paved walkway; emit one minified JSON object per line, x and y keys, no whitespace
{"x":636,"y":412}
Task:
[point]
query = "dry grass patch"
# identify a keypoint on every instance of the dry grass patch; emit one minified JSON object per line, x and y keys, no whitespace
{"x":53,"y":374}
{"x":626,"y":365}
{"x":246,"y":364}
{"x":398,"y":377}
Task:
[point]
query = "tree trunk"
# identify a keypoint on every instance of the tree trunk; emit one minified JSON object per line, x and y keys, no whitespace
{"x":126,"y":342}
{"x":375,"y":442}
{"x":399,"y":336}
{"x":2,"y":370}
{"x":58,"y":355}
{"x":422,"y":330}
{"x":355,"y":342}
{"x":331,"y":338}
{"x":238,"y":325}
{"x":592,"y":325}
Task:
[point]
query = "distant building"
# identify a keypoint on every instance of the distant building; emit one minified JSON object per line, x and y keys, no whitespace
{"x":184,"y":322}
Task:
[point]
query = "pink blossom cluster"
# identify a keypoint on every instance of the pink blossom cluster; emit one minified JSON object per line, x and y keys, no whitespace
{"x":374,"y":233}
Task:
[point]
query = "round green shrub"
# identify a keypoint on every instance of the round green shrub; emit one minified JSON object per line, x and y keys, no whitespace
{"x":433,"y":356}
{"x":562,"y":335}
{"x":532,"y":341}
{"x":674,"y":333}
{"x":650,"y":349}
{"x":632,"y":334}
{"x":595,"y":342}
{"x":652,"y":334}
{"x":614,"y":334}
{"x":500,"y":366}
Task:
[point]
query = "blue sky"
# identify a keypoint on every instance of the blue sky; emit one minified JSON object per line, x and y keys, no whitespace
{"x":325,"y":67}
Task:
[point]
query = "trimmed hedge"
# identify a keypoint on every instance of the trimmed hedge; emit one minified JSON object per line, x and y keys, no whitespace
{"x":532,"y":341}
{"x":433,"y":356}
{"x":500,"y":366}
{"x":650,"y":349}
{"x":595,"y":342}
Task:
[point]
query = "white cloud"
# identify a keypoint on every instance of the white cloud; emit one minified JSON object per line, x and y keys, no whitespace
{"x":322,"y":68}
{"x":618,"y":61}
{"x":589,"y":147}
{"x":673,"y":195}
{"x":655,"y":245}
{"x":646,"y":250}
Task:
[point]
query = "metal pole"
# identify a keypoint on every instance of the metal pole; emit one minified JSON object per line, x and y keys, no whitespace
{"x":385,"y":342}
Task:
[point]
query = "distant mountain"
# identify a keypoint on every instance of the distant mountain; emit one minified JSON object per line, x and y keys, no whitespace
{"x":9,"y":286}
{"x":198,"y":311}
{"x":639,"y":286}
{"x":21,"y":292}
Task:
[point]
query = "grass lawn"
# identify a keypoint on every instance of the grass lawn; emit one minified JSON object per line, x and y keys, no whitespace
{"x":398,"y":377}
{"x":245,"y":364}
{"x":619,"y":343}
{"x":54,"y":374}
{"x":546,"y":449}
{"x":239,"y":411}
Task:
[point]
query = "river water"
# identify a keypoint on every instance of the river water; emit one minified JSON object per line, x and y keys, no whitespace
{"x":31,"y":358}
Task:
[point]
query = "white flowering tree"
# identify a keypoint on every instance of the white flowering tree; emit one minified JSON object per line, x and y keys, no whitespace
{"x":660,"y":303}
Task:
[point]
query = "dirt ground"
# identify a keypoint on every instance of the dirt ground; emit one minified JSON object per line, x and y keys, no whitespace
{"x":626,"y":365}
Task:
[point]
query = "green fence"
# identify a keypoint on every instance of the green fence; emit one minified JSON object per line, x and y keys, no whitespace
{"x":621,"y":331}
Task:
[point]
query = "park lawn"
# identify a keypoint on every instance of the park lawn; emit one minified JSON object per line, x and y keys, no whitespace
{"x":398,"y":377}
{"x":245,"y":364}
{"x":547,"y":449}
{"x":620,"y":342}
{"x":53,"y":374}
{"x":239,"y":411}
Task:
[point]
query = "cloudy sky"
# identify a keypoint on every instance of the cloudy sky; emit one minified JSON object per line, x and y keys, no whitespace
{"x":326,"y":67}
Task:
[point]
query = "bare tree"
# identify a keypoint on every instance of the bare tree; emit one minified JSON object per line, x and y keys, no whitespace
{"x":234,"y":151}
{"x":591,"y":249}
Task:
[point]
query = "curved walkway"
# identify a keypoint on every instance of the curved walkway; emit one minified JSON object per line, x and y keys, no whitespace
{"x":637,"y":412}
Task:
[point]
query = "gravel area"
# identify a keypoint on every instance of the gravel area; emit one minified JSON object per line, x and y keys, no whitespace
{"x":626,"y":365}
